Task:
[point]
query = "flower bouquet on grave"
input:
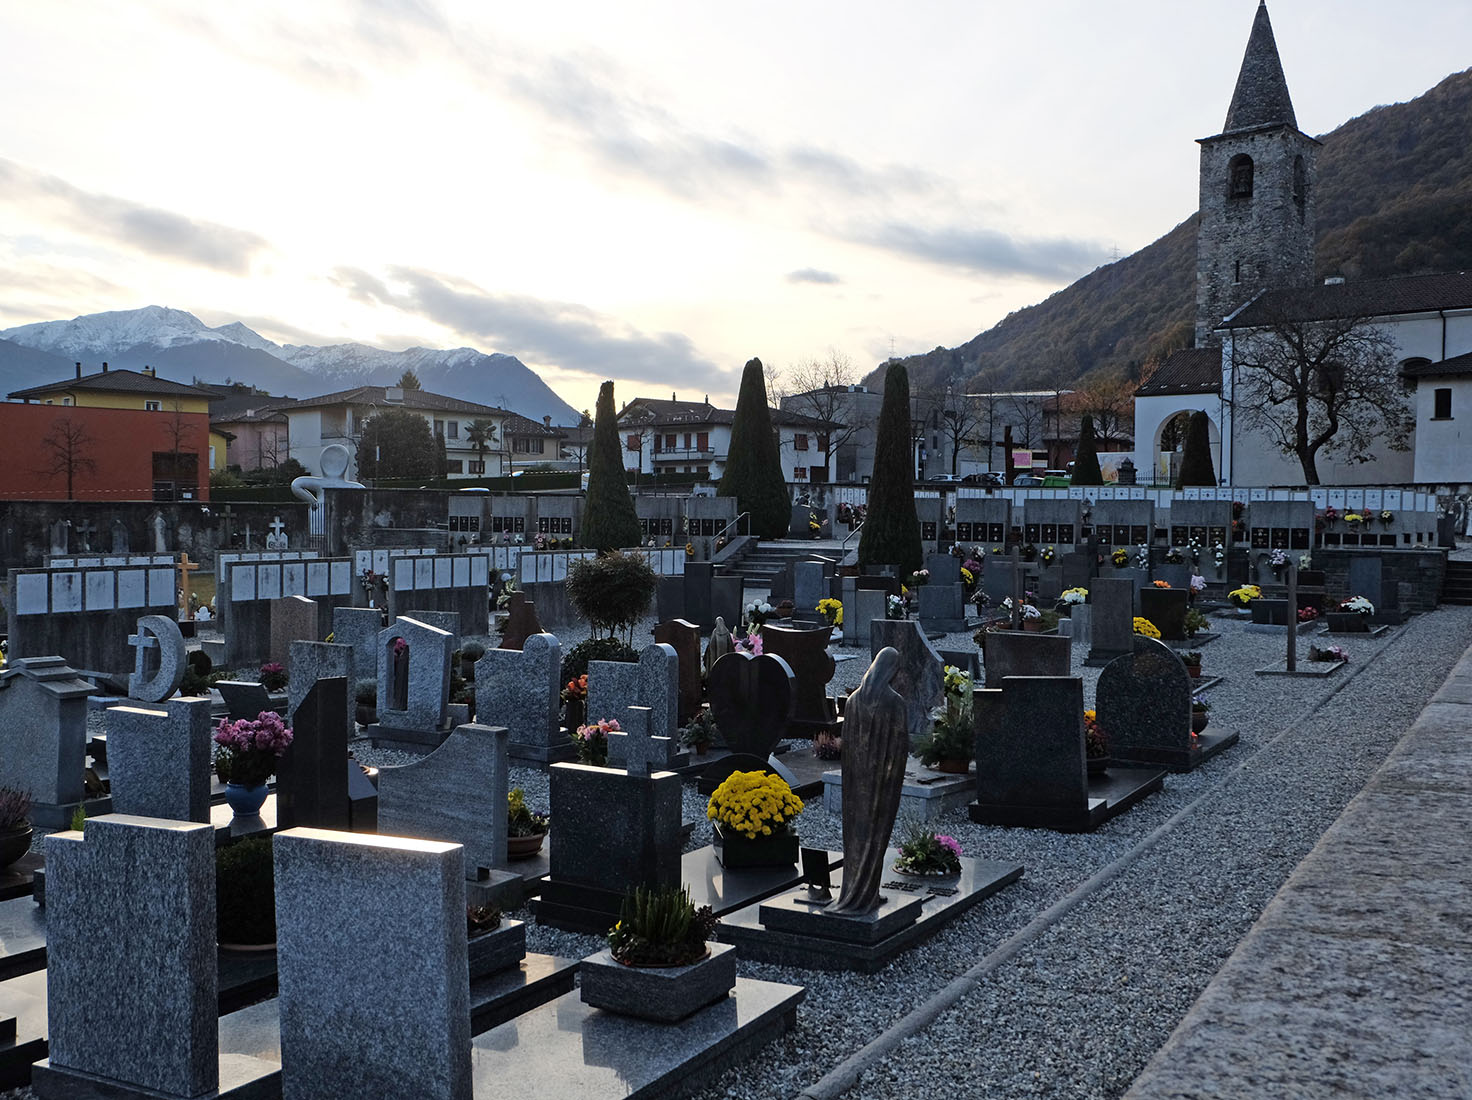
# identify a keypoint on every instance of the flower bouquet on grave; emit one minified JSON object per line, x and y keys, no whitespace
{"x":1328,"y":653}
{"x":1146,"y":629}
{"x":1047,"y":554}
{"x":1072,"y":597}
{"x":575,"y":701}
{"x":1030,"y":552}
{"x":273,"y":676}
{"x":1119,"y":558}
{"x":1173,"y":556}
{"x":757,"y":613}
{"x":752,"y":812}
{"x":1278,"y":561}
{"x":1307,"y":614}
{"x":1161,"y":584}
{"x":1354,"y":519}
{"x":894,"y":607}
{"x":831,"y":610}
{"x":591,"y":741}
{"x":1243,"y":597}
{"x":752,"y":644}
{"x":925,"y":852}
{"x":245,"y":757}
{"x":1357,"y":604}
{"x":1387,"y":517}
{"x":525,"y":828}
{"x":1096,"y":744}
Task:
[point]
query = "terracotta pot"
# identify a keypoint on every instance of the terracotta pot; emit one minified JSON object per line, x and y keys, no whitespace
{"x":524,"y":847}
{"x":955,"y":765}
{"x":1193,"y":671}
{"x":1032,"y":624}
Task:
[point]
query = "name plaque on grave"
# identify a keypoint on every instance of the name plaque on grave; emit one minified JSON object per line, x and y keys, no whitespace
{"x":1104,"y":533}
{"x":1139,"y":533}
{"x":1050,"y":532}
{"x":1121,"y":534}
{"x":1065,"y":532}
{"x":963,"y":531}
{"x":1298,"y":538}
{"x":1351,"y":539}
{"x":1198,"y":534}
{"x":1216,"y":535}
{"x":1279,"y":538}
{"x":1259,"y":538}
{"x":666,"y":525}
{"x":927,"y":531}
{"x":1178,"y":534}
{"x":1014,"y":534}
{"x":1031,"y":532}
{"x":996,"y":532}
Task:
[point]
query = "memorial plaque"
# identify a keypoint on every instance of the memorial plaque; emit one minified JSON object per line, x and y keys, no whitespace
{"x":963,"y":531}
{"x":1031,"y":532}
{"x":1387,"y":540}
{"x":996,"y":532}
{"x":1298,"y":538}
{"x":1104,"y":533}
{"x":1351,"y":539}
{"x":1139,"y":534}
{"x":667,"y":525}
{"x":1050,"y":532}
{"x":1121,"y":534}
{"x":1259,"y":538}
{"x":1198,"y":534}
{"x":1216,"y":535}
{"x":927,"y":531}
{"x":1279,"y":538}
{"x":1178,"y":535}
{"x":1331,"y":538}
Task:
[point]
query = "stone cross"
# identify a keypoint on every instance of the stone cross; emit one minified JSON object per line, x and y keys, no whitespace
{"x":86,"y":529}
{"x":185,"y":567}
{"x":277,"y":526}
{"x":276,"y":540}
{"x":154,"y":682}
{"x":227,"y":520}
{"x":640,"y":750}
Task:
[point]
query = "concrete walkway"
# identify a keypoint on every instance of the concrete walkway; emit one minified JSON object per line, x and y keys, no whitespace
{"x":1356,"y":981}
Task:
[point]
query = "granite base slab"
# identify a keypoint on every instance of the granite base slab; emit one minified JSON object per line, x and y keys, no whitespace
{"x":1305,"y":668}
{"x":25,"y":999}
{"x":16,"y":879}
{"x":421,"y":741}
{"x":1109,"y":795}
{"x":1098,"y":658}
{"x":22,"y":938}
{"x":1208,"y":744}
{"x":800,"y":915}
{"x":503,"y":889}
{"x":241,"y":1078}
{"x":566,"y":1048}
{"x":1373,"y":632}
{"x":1205,"y":638}
{"x":941,"y":900}
{"x":925,"y":795}
{"x":1279,"y":628}
{"x":519,"y":752}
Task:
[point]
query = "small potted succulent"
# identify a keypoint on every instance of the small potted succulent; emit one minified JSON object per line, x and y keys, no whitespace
{"x":525,"y":828}
{"x":925,"y":852}
{"x":753,"y":814}
{"x":1096,"y":744}
{"x":470,"y":652}
{"x":273,"y":676}
{"x":15,"y":825}
{"x":1192,"y":661}
{"x":245,"y":895}
{"x":1200,"y":713}
{"x":245,"y":758}
{"x":658,"y":964}
{"x":365,"y":693}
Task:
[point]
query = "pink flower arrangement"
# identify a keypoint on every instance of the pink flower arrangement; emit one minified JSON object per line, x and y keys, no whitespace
{"x":591,"y":741}
{"x":752,"y":644}
{"x":250,"y":747}
{"x":949,"y":842}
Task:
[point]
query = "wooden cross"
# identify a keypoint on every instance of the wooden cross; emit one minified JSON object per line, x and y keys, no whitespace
{"x":640,"y":750}
{"x":185,"y":567}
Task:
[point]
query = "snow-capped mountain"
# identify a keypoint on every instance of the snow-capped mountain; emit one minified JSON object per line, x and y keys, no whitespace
{"x":181,"y":346}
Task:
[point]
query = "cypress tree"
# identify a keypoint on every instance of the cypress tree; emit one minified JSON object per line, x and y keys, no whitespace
{"x":609,"y":519}
{"x":891,"y":533}
{"x":1086,"y":463}
{"x":753,"y":473}
{"x":1196,"y":467}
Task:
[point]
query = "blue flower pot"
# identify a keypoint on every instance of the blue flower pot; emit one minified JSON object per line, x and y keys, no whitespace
{"x":245,"y":801}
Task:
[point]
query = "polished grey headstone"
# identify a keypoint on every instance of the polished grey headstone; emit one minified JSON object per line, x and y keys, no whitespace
{"x":293,"y":618}
{"x":159,"y":759}
{"x":158,"y":664}
{"x":428,"y":693}
{"x":43,"y":735}
{"x":357,"y":628}
{"x":1021,"y":653}
{"x":309,"y":662}
{"x":920,"y":679}
{"x":1111,"y":620}
{"x":522,"y":690}
{"x":614,"y":686}
{"x":1143,"y":705}
{"x":410,"y":1009}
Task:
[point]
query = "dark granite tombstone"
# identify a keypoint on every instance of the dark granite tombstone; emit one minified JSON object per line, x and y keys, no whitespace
{"x":1111,"y":619}
{"x":1367,"y":579}
{"x":521,"y":622}
{"x":806,"y":654}
{"x":698,"y":607}
{"x":1143,"y":706}
{"x":967,"y":660}
{"x":684,"y":637}
{"x":751,"y":699}
{"x":1269,"y":612}
{"x":1166,"y":608}
{"x":244,"y":698}
{"x":1077,"y":570}
{"x":886,"y":582}
{"x":1019,"y":653}
{"x":311,"y":782}
{"x":921,"y":676}
{"x":1346,"y":622}
{"x":1030,"y":763}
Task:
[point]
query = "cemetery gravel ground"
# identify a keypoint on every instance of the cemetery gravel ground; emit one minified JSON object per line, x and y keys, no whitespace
{"x":1085,"y":1002}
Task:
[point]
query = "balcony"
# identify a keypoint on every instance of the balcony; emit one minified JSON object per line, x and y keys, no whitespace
{"x":689,"y":454}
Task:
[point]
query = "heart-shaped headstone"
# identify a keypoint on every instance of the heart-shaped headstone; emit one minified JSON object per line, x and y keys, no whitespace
{"x":751,"y":698}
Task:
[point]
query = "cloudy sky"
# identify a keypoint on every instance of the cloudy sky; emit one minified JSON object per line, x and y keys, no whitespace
{"x":650,"y":192}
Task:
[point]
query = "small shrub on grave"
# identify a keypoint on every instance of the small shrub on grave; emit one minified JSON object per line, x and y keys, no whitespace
{"x":611,"y":592}
{"x":245,"y":892}
{"x":702,"y":730}
{"x":926,"y":852}
{"x":575,"y":664}
{"x":521,"y":819}
{"x":480,"y":919}
{"x":661,"y":927}
{"x":273,"y":676}
{"x":1191,"y":659}
{"x":1196,"y":622}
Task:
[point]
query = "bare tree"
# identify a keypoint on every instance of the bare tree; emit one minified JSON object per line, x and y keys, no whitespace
{"x":1321,"y":386}
{"x":1025,"y":414}
{"x":1111,"y":402}
{"x":67,"y":449}
{"x":821,"y":389}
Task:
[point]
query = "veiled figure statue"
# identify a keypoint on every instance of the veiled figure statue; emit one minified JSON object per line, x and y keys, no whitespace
{"x":876,"y":744}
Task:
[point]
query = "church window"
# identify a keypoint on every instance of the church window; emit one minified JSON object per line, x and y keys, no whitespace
{"x":1300,"y":186}
{"x":1239,"y":177}
{"x":1443,"y":403}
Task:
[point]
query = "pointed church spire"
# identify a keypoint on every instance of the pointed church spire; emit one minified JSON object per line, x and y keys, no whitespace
{"x":1261,"y":97}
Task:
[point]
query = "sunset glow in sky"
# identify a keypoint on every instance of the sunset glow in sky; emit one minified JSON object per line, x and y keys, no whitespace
{"x":650,"y":192}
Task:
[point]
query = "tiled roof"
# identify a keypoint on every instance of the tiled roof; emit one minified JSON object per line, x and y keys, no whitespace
{"x":1456,"y":365}
{"x":116,"y":381}
{"x":1363,"y":298}
{"x":1191,"y":370}
{"x":424,"y":401}
{"x":655,"y":411}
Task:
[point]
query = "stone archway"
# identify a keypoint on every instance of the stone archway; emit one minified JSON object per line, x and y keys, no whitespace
{"x":1170,"y":436}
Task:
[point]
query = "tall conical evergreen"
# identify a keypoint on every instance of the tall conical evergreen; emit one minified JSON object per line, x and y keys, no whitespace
{"x":1086,"y":462}
{"x":891,"y":533}
{"x":753,"y":472}
{"x":609,"y":519}
{"x":1196,"y":466}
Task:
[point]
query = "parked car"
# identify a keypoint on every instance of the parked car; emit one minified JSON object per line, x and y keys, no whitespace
{"x":1056,"y":481}
{"x":1026,"y":481}
{"x":988,"y":478}
{"x":944,"y":477}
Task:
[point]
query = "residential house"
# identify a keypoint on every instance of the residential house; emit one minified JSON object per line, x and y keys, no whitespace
{"x":694,"y":437}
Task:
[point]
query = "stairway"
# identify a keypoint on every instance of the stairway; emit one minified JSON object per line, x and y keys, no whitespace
{"x":1456,"y":586}
{"x":767,"y":558}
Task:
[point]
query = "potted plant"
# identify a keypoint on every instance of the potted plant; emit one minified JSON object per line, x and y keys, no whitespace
{"x":15,"y":824}
{"x":1096,"y":744}
{"x":525,"y":828}
{"x":365,"y":693}
{"x":246,"y":757}
{"x":245,"y":896}
{"x":1032,"y":618}
{"x":753,"y":812}
{"x":701,"y":731}
{"x":273,"y":676}
{"x":832,"y":612}
{"x":658,"y":965}
{"x":1195,"y":623}
{"x":470,"y":652}
{"x":575,"y":701}
{"x":1071,"y":598}
{"x":925,"y":852}
{"x":1200,"y":713}
{"x":1192,"y":661}
{"x":591,"y":741}
{"x":492,"y":944}
{"x":1146,"y":629}
{"x":1242,"y":598}
{"x":1119,"y":557}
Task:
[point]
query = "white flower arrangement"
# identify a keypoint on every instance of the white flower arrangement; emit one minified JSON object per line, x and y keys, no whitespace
{"x":1193,"y":550}
{"x":1220,"y":553}
{"x":1142,"y":556}
{"x":1359,"y":605}
{"x":1031,"y":612}
{"x":1198,"y":584}
{"x":1076,"y":595}
{"x":1305,"y":561}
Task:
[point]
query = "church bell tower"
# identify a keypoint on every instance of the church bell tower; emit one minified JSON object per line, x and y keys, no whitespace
{"x":1256,"y":228}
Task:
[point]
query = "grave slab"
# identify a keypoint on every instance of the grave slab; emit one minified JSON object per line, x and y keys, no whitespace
{"x":926,"y":795}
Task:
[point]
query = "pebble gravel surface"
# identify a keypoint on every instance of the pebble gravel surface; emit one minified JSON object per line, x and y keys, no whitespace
{"x":1079,"y":1000}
